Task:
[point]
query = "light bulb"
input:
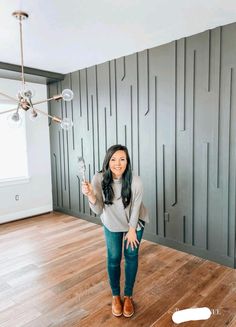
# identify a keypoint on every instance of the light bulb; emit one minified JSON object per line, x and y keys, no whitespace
{"x":26,"y":91}
{"x":33,"y":115}
{"x":67,"y":95}
{"x":66,"y":124}
{"x":14,"y":120}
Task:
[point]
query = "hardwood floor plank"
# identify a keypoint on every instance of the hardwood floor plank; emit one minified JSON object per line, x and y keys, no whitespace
{"x":18,"y":315}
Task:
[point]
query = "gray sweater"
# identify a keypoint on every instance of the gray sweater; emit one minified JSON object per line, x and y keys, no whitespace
{"x":115,"y":217}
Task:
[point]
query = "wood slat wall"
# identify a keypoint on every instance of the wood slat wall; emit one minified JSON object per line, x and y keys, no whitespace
{"x":174,"y":107}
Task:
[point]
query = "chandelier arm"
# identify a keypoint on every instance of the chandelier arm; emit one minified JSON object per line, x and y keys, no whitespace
{"x":8,"y":96}
{"x":42,"y":101}
{"x":54,"y":118}
{"x":4,"y":112}
{"x":55,"y":97}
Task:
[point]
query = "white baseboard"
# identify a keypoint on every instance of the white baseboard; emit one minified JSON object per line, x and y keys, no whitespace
{"x":25,"y":214}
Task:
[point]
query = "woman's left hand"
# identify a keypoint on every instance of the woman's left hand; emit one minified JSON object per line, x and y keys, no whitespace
{"x":131,"y":238}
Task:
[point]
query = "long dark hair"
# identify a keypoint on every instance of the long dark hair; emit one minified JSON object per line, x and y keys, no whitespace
{"x":108,"y":180}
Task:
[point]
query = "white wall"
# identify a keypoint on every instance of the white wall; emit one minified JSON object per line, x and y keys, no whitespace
{"x":35,"y":195}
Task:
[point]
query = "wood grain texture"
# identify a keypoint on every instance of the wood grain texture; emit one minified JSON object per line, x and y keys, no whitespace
{"x":53,"y":274}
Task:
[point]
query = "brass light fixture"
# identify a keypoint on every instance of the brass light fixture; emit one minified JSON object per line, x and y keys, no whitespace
{"x":24,"y":97}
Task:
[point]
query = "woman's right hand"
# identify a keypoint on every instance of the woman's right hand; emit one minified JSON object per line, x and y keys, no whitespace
{"x":87,"y":189}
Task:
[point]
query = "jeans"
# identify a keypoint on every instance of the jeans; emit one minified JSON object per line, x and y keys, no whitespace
{"x":114,"y":242}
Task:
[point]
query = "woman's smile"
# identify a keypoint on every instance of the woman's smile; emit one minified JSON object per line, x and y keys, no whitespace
{"x":118,"y":163}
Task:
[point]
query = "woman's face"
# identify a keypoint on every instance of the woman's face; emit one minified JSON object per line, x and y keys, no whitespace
{"x":118,"y":163}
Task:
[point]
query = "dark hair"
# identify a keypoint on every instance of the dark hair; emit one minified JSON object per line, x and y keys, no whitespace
{"x":108,"y":180}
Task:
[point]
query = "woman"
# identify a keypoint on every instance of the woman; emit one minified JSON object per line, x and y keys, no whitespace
{"x":117,"y":195}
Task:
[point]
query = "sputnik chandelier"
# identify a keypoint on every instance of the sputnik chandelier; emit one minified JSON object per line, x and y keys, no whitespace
{"x":23,"y":99}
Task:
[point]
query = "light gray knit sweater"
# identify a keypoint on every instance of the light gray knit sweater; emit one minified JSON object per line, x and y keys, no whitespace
{"x":115,"y":217}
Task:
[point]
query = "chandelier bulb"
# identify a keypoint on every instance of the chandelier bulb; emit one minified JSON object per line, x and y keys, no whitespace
{"x":14,"y":120}
{"x":66,"y":124}
{"x":26,"y":91}
{"x":67,"y":95}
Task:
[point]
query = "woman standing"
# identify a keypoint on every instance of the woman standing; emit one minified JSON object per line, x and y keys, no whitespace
{"x":117,"y":195}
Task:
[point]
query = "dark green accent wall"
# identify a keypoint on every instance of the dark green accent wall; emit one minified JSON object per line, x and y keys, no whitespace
{"x":174,"y":106}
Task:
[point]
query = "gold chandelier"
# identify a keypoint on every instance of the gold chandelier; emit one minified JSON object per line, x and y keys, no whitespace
{"x":23,"y":99}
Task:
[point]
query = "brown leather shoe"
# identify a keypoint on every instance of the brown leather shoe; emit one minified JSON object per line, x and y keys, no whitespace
{"x":117,"y":308}
{"x":128,"y":308}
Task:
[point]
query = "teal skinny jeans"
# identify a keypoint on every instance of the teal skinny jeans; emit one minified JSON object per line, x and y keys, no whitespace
{"x":115,"y":244}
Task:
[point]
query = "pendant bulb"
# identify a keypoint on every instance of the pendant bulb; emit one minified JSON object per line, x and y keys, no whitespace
{"x":66,"y":124}
{"x":14,"y":120}
{"x":67,"y":94}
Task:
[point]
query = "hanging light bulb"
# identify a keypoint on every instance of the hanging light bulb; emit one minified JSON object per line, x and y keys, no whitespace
{"x":66,"y":124}
{"x":26,"y":91}
{"x":14,"y":120}
{"x":67,"y":95}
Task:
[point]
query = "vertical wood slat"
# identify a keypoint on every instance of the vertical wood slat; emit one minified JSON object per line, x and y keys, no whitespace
{"x":138,"y":137}
{"x":60,"y":153}
{"x":93,"y":136}
{"x":89,"y":173}
{"x":105,"y":129}
{"x":180,"y":85}
{"x":193,"y":146}
{"x":148,"y":85}
{"x":229,"y":157}
{"x":174,"y":162}
{"x":97,"y":112}
{"x":184,"y":229}
{"x":82,"y":154}
{"x":156,"y":145}
{"x":64,"y":158}
{"x":163,"y":189}
{"x":68,"y":169}
{"x":125,"y":132}
{"x":109,"y":74}
{"x":184,"y":86}
{"x":79,"y":192}
{"x":72,"y":116}
{"x":206,"y":193}
{"x":80,"y":96}
{"x":116,"y":109}
{"x":87,"y":104}
{"x":124,"y":69}
{"x":209,"y":62}
{"x":131,"y":126}
{"x":234,"y":198}
{"x":219,"y":109}
{"x":63,"y":145}
{"x":56,"y":178}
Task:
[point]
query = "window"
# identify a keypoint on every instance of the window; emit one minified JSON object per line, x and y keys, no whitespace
{"x":13,"y":148}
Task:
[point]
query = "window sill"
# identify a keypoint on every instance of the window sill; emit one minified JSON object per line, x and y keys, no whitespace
{"x":14,"y":181}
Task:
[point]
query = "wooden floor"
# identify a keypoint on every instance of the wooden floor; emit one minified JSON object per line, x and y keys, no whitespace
{"x":53,"y":273}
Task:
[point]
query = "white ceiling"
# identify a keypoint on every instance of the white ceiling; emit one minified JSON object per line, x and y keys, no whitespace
{"x":66,"y":35}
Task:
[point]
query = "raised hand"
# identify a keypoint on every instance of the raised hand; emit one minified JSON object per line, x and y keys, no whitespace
{"x":87,"y":190}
